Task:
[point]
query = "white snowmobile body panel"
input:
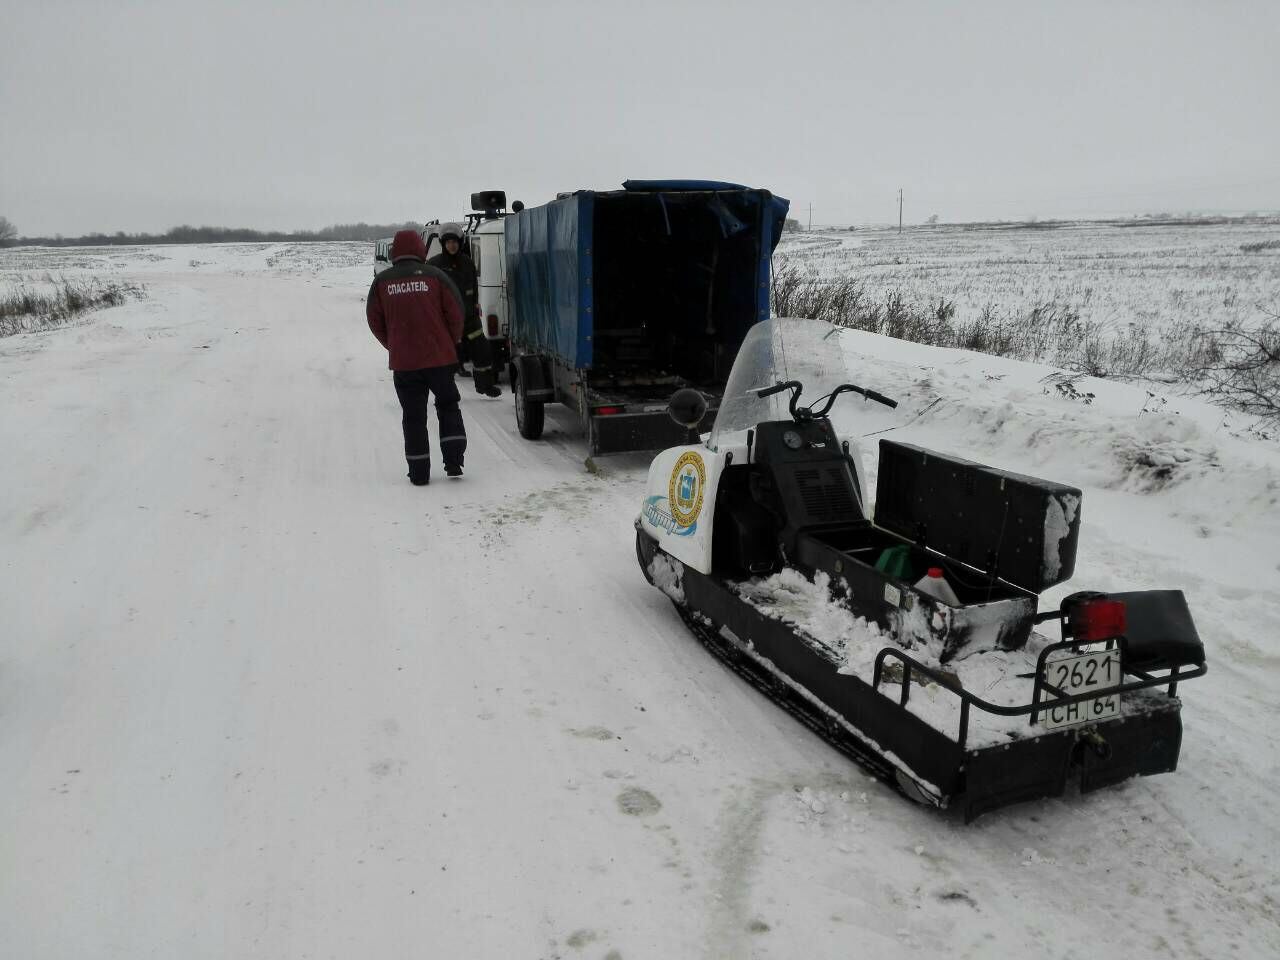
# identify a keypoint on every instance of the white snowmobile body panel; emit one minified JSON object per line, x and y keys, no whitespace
{"x":680,"y":502}
{"x":686,"y":532}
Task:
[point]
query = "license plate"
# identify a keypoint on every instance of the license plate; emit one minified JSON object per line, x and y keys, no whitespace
{"x":1077,"y":675}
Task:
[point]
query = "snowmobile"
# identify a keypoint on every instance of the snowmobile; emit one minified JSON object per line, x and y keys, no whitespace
{"x":762,"y":535}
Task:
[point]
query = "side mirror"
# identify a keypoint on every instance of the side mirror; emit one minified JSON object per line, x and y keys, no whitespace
{"x":687,"y":407}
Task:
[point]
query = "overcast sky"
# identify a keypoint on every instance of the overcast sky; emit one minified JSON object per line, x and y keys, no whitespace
{"x":140,"y":116}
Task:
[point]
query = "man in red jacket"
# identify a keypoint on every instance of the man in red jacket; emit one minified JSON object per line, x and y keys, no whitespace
{"x":415,"y":311}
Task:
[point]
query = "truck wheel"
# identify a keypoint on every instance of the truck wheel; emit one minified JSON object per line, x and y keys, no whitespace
{"x":529,"y":413}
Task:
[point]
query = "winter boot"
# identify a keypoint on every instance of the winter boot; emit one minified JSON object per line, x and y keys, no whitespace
{"x":453,"y":469}
{"x":419,"y":475}
{"x":486,"y":383}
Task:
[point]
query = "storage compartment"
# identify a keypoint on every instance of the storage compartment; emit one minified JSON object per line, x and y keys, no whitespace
{"x":1000,"y":538}
{"x":1018,"y":528}
{"x":993,"y":614}
{"x":868,"y":544}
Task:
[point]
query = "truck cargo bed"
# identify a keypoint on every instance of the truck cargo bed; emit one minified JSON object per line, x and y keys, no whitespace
{"x":623,"y":297}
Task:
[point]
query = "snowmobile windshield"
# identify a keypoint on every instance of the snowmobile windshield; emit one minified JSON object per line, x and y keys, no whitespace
{"x":775,"y":351}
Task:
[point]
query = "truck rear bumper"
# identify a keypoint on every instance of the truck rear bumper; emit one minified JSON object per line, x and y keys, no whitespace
{"x":651,"y":430}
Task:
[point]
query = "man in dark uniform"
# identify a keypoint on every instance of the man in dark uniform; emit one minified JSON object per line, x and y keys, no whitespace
{"x":462,"y":271}
{"x":415,"y":311}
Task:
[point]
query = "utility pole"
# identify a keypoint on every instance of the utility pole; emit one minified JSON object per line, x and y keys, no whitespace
{"x":811,"y":218}
{"x":899,"y":209}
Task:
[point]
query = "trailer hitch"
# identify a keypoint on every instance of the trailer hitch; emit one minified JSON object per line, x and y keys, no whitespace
{"x":1097,"y":743}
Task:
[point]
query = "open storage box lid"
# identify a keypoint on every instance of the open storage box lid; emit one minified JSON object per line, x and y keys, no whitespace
{"x":1022,"y":529}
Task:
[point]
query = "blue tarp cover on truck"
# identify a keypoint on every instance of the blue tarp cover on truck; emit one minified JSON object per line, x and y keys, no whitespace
{"x":548,"y":251}
{"x":695,"y":253}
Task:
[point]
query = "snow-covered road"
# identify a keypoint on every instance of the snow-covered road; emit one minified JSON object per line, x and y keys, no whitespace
{"x":260,"y":697}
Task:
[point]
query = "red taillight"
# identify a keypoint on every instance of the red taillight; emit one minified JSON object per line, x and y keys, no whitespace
{"x":491,"y":322}
{"x":608,"y":411}
{"x":1094,"y":620}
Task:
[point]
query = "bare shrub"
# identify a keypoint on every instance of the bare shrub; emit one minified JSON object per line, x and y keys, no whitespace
{"x":1239,"y":366}
{"x":24,"y":310}
{"x":898,"y":320}
{"x":1188,"y":345}
{"x":989,"y":333}
{"x":1243,"y":370}
{"x":787,"y":288}
{"x":794,"y":293}
{"x":1087,"y":353}
{"x":1131,"y":355}
{"x":1049,"y":332}
{"x":1260,"y":246}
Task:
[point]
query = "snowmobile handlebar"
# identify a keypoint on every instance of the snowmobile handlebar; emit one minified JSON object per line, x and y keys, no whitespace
{"x":809,"y":412}
{"x":795,"y":386}
{"x":779,"y":387}
{"x":850,"y":388}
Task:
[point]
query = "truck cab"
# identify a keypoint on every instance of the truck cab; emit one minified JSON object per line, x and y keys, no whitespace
{"x":488,"y":254}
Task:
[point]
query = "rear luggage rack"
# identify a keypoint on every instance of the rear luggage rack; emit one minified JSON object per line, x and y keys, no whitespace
{"x":1038,"y":705}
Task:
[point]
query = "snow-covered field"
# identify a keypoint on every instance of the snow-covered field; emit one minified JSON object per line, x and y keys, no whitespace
{"x":1144,"y":276}
{"x":260,"y":697}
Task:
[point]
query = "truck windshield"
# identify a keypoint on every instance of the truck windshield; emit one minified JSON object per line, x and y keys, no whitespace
{"x":774,"y":351}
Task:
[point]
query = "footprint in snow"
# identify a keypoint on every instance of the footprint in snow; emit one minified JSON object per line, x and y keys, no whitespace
{"x":956,"y":896}
{"x":593,"y":733}
{"x":638,"y":802}
{"x":580,"y":938}
{"x":384,"y":768}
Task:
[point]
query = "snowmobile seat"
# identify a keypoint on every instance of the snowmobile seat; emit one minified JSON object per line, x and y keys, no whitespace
{"x":1160,"y":633}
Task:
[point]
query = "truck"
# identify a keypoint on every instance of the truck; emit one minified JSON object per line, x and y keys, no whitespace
{"x":616,"y":299}
{"x":485,"y":239}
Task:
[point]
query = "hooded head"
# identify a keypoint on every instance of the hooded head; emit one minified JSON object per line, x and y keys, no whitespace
{"x":408,"y":245}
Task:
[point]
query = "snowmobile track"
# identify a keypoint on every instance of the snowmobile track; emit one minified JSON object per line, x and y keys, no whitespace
{"x":795,"y":704}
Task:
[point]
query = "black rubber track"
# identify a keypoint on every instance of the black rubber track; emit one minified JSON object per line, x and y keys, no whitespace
{"x":795,"y":704}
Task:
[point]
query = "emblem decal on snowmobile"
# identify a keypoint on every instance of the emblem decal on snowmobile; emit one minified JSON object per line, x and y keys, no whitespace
{"x":688,"y":479}
{"x":654,"y":511}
